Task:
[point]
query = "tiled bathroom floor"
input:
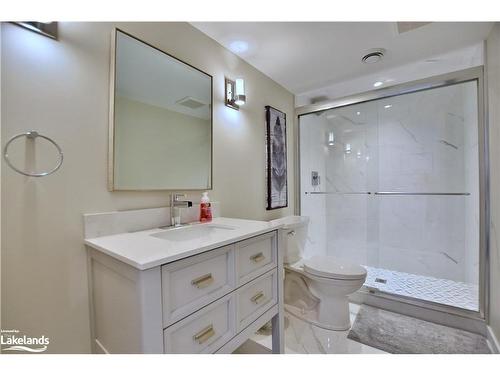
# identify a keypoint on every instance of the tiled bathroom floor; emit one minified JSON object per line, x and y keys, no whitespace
{"x":447,"y":292}
{"x":304,"y":338}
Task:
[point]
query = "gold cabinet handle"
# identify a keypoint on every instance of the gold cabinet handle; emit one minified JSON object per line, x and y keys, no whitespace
{"x":257,"y":257}
{"x":258,"y":297}
{"x":203,"y":281}
{"x":204,"y":334}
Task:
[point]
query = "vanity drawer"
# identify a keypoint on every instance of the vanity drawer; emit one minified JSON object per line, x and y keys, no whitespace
{"x":255,"y":298}
{"x":190,"y":284}
{"x":204,"y":331}
{"x":256,"y":256}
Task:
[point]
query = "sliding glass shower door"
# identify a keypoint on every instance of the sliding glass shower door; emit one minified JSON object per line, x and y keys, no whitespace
{"x":393,"y":184}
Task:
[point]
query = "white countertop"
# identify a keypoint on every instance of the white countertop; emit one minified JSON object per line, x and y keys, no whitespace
{"x":143,"y":251}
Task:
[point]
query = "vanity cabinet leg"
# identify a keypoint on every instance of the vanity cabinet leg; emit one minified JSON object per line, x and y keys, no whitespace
{"x":278,"y":332}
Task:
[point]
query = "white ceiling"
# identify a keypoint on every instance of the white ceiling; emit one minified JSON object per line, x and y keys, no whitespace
{"x":303,"y":56}
{"x":463,"y":58}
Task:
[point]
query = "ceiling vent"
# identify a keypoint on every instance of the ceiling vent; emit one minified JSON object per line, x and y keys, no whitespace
{"x":190,"y":102}
{"x":319,"y":99}
{"x":404,"y":27}
{"x":373,"y":56}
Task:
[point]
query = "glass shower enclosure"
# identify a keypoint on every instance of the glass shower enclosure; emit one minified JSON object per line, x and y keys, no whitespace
{"x":391,"y":180}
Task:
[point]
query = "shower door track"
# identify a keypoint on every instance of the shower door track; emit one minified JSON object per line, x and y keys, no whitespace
{"x":467,"y":75}
{"x":467,"y":320}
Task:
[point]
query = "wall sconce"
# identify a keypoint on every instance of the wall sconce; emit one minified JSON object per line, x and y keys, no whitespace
{"x":331,"y":139}
{"x":48,"y":29}
{"x":235,"y":93}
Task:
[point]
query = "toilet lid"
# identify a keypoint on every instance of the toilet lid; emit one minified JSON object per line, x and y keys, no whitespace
{"x":333,"y":268}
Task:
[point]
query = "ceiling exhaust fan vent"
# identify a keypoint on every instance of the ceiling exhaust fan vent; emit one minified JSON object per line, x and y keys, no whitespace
{"x":373,"y":56}
{"x":190,"y":102}
{"x":404,"y":27}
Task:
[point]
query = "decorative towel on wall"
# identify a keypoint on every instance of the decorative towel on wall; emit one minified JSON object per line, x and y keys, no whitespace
{"x":277,"y":189}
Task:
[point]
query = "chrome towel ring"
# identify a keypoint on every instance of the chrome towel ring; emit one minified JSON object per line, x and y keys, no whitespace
{"x":32,"y":134}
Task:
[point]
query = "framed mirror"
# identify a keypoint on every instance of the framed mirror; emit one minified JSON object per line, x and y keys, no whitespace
{"x":160,"y":135}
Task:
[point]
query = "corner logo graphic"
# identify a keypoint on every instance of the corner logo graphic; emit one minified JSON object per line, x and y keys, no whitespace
{"x":11,"y":340}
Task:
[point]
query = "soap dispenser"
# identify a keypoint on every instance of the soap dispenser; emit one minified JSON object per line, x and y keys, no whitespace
{"x":205,"y":208}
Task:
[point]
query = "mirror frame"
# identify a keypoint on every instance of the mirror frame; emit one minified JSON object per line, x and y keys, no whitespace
{"x":111,"y":134}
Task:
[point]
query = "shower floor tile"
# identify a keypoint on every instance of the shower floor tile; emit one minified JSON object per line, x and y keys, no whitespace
{"x":446,"y":292}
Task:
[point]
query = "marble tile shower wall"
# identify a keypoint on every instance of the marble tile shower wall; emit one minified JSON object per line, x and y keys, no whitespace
{"x":421,"y":149}
{"x":313,"y":158}
{"x":421,"y":142}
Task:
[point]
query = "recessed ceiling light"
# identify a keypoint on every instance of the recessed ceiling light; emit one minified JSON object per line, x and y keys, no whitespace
{"x":378,"y":83}
{"x":387,"y":106}
{"x":358,"y":113}
{"x":238,"y":46}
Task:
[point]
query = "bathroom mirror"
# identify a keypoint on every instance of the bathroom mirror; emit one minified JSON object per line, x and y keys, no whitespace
{"x":160,"y":120}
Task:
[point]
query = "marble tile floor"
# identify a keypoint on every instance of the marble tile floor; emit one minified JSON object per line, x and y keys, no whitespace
{"x":447,"y":292}
{"x":304,"y":338}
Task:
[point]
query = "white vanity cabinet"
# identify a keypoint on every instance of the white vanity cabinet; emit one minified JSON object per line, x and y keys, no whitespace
{"x":211,"y":302}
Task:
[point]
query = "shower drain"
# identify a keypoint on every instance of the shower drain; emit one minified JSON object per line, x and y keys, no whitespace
{"x":382,"y":281}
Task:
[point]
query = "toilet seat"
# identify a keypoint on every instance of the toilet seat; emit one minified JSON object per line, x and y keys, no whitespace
{"x":333,"y":268}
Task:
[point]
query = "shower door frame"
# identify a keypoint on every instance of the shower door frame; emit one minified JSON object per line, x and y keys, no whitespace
{"x":448,"y":79}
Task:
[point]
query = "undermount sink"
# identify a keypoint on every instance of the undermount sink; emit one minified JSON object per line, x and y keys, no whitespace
{"x":192,"y":232}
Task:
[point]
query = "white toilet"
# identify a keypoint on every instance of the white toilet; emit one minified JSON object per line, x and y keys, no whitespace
{"x":317,"y":289}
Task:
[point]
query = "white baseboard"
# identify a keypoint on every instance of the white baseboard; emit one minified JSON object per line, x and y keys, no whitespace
{"x":492,"y":340}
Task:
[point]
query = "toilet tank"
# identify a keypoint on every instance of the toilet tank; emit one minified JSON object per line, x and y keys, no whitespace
{"x":295,"y":228}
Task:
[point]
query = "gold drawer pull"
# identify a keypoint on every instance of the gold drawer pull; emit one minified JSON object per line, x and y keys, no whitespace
{"x":204,"y":335}
{"x":203,"y":281}
{"x":258,"y":297}
{"x":257,"y":257}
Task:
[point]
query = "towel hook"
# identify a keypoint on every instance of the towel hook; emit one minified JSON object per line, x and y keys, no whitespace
{"x":32,"y":134}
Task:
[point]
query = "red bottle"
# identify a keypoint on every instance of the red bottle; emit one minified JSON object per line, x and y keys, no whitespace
{"x":205,"y":208}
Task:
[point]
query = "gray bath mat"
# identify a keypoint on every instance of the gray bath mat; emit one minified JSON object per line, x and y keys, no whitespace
{"x":401,"y":334}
